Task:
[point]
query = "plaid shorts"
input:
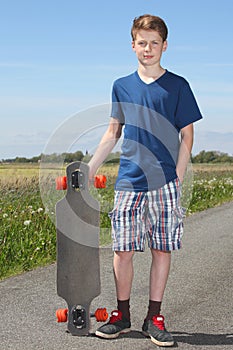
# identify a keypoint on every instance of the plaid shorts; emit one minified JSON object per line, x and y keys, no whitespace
{"x":156,"y":215}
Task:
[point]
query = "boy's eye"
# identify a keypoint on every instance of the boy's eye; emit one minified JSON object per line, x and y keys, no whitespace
{"x":144,"y":43}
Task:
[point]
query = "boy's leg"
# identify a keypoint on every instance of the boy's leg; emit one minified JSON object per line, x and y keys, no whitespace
{"x":123,"y":273}
{"x":154,"y":323}
{"x":165,"y":231}
{"x":159,"y":273}
{"x":126,"y":205}
{"x":120,"y":319}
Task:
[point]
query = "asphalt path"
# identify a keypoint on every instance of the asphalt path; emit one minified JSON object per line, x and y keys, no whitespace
{"x":198,"y":304}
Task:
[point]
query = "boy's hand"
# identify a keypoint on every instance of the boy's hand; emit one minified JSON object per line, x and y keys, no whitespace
{"x":180,"y":177}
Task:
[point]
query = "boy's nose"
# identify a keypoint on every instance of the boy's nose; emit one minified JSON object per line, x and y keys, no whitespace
{"x":148,"y":47}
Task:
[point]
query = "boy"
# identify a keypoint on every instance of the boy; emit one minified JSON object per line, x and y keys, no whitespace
{"x":155,"y":106}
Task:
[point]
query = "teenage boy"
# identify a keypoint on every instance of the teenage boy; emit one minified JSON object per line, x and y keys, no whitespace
{"x":156,"y":108}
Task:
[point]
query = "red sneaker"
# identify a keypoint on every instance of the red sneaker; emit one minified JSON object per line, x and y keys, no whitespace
{"x":156,"y":330}
{"x":116,"y":325}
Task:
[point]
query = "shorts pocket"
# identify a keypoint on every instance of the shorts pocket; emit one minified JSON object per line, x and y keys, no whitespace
{"x":179,"y":212}
{"x":178,"y":215}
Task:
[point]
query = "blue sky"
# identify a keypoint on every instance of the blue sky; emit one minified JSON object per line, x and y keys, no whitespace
{"x":59,"y":58}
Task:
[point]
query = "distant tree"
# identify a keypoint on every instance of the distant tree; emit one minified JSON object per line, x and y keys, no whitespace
{"x":73,"y":157}
{"x":35,"y":159}
{"x":22,"y":160}
{"x":52,"y":158}
{"x":212,"y":157}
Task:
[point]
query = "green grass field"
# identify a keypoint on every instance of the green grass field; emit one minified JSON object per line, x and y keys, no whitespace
{"x":28,"y":235}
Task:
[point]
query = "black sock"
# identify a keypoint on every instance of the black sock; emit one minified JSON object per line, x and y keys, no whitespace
{"x":123,"y":306}
{"x":153,"y":309}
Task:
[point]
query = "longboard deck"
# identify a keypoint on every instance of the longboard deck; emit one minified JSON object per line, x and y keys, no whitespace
{"x":78,"y":266}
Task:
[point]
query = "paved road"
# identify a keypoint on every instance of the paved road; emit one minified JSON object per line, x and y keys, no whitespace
{"x":198,"y":304}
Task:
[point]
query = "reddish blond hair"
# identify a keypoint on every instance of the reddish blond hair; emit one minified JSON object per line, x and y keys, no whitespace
{"x":149,"y":22}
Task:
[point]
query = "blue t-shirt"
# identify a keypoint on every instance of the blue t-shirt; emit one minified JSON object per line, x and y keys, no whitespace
{"x":153,"y":115}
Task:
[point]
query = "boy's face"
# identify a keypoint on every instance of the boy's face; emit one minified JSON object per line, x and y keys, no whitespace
{"x":149,"y":46}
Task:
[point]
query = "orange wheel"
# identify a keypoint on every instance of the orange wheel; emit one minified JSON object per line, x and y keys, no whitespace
{"x":101,"y":315}
{"x":61,"y":183}
{"x":100,"y":181}
{"x":61,"y":315}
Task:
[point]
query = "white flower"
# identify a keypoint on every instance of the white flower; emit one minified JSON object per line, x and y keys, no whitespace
{"x":27,"y":222}
{"x":5,"y":216}
{"x":40,"y":210}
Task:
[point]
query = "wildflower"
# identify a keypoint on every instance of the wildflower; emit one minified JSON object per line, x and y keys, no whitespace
{"x":40,"y":210}
{"x":5,"y":216}
{"x":27,"y":222}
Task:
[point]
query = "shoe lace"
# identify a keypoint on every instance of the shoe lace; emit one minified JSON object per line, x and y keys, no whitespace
{"x":116,"y":315}
{"x":158,"y":321}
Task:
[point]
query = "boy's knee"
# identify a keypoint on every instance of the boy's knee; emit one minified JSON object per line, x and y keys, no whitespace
{"x":124,"y":256}
{"x":160,"y":253}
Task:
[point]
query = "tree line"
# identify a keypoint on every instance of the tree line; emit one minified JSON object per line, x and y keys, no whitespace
{"x":202,"y":157}
{"x":212,"y":157}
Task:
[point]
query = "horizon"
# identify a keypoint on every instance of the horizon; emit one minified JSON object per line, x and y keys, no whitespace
{"x":219,"y":153}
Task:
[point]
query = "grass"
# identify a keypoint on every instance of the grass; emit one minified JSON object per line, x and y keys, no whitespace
{"x":27,"y":230}
{"x":27,"y":236}
{"x":211,"y":188}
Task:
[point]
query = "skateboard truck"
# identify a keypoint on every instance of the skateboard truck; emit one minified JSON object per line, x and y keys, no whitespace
{"x":77,"y":178}
{"x":78,"y":181}
{"x":79,"y":316}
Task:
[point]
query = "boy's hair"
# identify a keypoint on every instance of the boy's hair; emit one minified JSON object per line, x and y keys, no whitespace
{"x":149,"y":22}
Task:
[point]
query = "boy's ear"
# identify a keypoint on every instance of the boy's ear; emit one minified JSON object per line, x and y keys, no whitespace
{"x":133,"y":45}
{"x":165,"y":45}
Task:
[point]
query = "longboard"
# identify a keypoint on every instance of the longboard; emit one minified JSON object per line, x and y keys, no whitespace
{"x":78,"y":265}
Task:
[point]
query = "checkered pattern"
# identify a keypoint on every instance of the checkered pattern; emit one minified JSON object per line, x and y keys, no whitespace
{"x":155,"y":215}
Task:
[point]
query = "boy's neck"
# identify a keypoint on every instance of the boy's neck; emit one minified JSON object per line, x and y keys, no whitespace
{"x":150,"y":74}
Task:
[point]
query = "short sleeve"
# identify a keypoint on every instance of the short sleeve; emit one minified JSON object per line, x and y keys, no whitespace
{"x":116,"y":111}
{"x":187,"y":111}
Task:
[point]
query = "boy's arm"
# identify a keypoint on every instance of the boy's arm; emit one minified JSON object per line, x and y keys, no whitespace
{"x":107,"y":143}
{"x":185,"y":151}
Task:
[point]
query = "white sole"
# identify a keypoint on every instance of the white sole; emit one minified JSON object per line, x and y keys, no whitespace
{"x":164,"y":344}
{"x":112,"y":336}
